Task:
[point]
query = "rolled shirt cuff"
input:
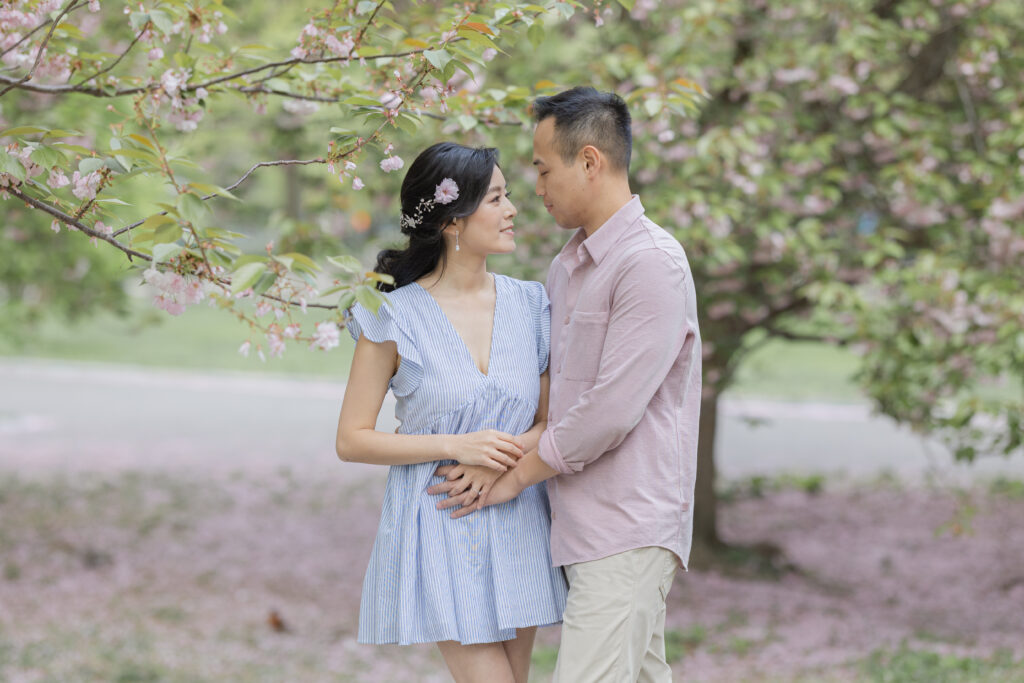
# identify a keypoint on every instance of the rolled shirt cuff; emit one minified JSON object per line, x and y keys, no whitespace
{"x":548,"y":452}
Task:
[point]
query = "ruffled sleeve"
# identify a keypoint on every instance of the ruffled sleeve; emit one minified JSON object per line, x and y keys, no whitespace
{"x":388,"y":325}
{"x":540,"y":309}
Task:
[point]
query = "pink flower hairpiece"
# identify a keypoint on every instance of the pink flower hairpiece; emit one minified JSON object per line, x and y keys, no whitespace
{"x":446,"y":192}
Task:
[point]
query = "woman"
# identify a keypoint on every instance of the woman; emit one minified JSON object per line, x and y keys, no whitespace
{"x":465,"y":352}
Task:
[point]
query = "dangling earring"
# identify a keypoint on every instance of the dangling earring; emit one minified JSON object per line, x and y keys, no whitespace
{"x":456,"y":240}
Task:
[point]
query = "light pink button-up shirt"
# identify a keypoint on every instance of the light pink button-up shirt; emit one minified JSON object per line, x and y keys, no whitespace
{"x":625,"y":392}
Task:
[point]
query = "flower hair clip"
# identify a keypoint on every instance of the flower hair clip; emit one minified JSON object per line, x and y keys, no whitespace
{"x":446,"y":192}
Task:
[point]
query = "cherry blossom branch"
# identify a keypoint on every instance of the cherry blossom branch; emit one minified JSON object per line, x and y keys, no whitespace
{"x":97,"y":92}
{"x":41,"y":49}
{"x":75,"y":223}
{"x":34,"y":31}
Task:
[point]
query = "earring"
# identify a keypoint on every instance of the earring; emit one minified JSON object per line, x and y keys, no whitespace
{"x":456,"y":240}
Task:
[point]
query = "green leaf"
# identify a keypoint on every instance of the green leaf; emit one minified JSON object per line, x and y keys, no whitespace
{"x":161,"y":21}
{"x":246,"y":276}
{"x":628,"y":4}
{"x":346,"y":300}
{"x":11,"y":165}
{"x":89,"y":165}
{"x":170,"y":232}
{"x":303,"y":262}
{"x":439,"y":58}
{"x":47,"y":157}
{"x":467,"y":122}
{"x":78,"y":149}
{"x":207,"y":188}
{"x":365,"y":7}
{"x":346,"y":262}
{"x":369,"y":297}
{"x":361,"y":101}
{"x":162,"y":252}
{"x":138,"y":20}
{"x":265,"y":282}
{"x":192,"y":208}
{"x":536,"y":34}
{"x":480,"y":39}
{"x":381,"y":277}
{"x":22,"y":130}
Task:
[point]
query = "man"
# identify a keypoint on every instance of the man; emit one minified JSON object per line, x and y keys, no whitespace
{"x":625,"y":397}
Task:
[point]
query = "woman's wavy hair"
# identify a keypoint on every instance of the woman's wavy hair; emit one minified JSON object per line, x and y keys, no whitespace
{"x":471,"y":168}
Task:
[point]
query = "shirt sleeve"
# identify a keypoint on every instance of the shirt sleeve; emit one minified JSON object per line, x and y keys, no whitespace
{"x":388,"y":325}
{"x":540,"y":310}
{"x":647,"y":328}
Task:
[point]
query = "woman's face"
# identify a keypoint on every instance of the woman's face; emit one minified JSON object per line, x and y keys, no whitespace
{"x":488,"y":230}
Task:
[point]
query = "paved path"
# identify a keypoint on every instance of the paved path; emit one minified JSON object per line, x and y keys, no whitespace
{"x":90,"y":416}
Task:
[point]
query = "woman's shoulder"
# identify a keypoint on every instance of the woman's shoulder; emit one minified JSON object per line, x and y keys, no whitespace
{"x":528,"y":288}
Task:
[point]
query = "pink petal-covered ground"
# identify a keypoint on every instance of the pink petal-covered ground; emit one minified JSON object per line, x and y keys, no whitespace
{"x":172,"y":576}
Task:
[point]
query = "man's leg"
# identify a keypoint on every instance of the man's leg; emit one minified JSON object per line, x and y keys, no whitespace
{"x":616,"y":608}
{"x":655,"y":668}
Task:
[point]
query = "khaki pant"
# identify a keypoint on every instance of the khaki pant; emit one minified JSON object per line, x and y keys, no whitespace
{"x":613,"y":630}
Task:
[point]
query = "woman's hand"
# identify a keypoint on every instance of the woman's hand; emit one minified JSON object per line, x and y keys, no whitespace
{"x":487,"y":448}
{"x":464,"y":484}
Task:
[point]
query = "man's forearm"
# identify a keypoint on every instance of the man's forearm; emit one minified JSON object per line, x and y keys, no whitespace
{"x":532,"y":470}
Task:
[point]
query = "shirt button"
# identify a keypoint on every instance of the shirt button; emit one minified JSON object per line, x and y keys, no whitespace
{"x":566,"y":320}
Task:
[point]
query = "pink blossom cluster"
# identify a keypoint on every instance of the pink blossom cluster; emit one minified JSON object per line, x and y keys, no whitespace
{"x":174,"y":291}
{"x":313,"y":40}
{"x":15,"y":24}
{"x":391,"y":163}
{"x":185,"y":111}
{"x":24,"y":154}
{"x":1002,"y":226}
{"x":85,"y":186}
{"x":348,"y":169}
{"x":326,"y":337}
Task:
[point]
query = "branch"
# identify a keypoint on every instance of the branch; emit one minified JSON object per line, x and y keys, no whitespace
{"x":972,"y":116}
{"x":41,"y":49}
{"x":795,"y":336}
{"x":283,"y":162}
{"x":75,"y":223}
{"x":118,"y":60}
{"x":97,"y":92}
{"x":33,"y":31}
{"x":929,"y":64}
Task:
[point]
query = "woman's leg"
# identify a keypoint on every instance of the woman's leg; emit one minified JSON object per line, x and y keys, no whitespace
{"x":481,"y":663}
{"x":518,"y":651}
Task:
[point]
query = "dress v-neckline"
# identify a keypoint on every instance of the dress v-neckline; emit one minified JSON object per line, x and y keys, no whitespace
{"x":455,"y":332}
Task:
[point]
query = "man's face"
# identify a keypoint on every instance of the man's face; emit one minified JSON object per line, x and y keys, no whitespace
{"x":562,"y":187}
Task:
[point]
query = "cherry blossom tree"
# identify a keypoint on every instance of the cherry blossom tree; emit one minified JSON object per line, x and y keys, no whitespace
{"x":845,"y":171}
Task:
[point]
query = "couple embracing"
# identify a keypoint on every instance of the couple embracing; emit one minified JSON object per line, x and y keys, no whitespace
{"x":591,"y":385}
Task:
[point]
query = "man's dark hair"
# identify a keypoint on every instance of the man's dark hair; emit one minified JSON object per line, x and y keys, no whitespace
{"x":585,"y":116}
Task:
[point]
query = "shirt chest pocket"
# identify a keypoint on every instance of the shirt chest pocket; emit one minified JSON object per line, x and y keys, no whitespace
{"x":583,"y":345}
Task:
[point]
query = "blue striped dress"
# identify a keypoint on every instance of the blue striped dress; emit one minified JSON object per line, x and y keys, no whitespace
{"x":479,"y":578}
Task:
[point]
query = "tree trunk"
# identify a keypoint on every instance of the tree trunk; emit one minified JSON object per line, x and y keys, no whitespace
{"x":705,"y":502}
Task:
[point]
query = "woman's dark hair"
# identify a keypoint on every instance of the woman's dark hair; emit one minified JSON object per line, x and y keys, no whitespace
{"x":471,"y":169}
{"x":585,"y":116}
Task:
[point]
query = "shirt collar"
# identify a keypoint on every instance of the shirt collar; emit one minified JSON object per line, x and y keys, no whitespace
{"x":610,"y":232}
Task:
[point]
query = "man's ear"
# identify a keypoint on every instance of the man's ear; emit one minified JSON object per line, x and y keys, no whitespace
{"x":591,"y":159}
